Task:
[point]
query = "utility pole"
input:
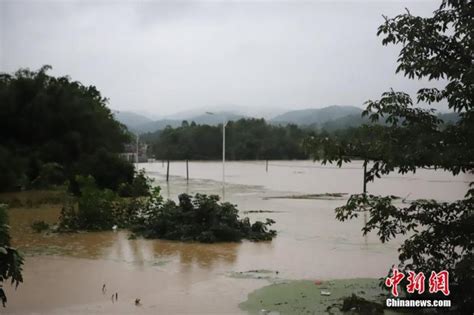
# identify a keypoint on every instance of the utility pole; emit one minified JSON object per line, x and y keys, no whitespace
{"x":187,"y":171}
{"x":366,"y":237}
{"x":224,"y":122}
{"x":223,"y":156}
{"x":136,"y":154}
{"x":365,"y":176}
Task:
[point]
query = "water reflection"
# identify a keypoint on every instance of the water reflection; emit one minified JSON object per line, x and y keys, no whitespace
{"x":156,"y":252}
{"x":116,"y":246}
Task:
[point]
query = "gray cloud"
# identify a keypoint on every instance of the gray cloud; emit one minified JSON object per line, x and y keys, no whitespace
{"x":165,"y":57}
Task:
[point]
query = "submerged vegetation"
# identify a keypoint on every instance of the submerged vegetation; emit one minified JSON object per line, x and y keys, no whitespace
{"x":200,"y":218}
{"x":307,"y":297}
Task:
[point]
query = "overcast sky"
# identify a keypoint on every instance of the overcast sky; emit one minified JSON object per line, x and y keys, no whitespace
{"x":165,"y":57}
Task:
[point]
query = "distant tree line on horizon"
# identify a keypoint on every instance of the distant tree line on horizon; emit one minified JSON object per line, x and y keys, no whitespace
{"x":246,"y":139}
{"x":250,"y":139}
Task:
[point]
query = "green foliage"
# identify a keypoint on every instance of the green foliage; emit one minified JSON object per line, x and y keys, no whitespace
{"x":246,"y":139}
{"x":108,"y":169}
{"x":53,"y":127}
{"x":11,"y":261}
{"x":50,"y":174}
{"x":140,"y":186}
{"x":440,"y":234}
{"x":95,"y":208}
{"x":200,"y":219}
{"x":10,"y":170}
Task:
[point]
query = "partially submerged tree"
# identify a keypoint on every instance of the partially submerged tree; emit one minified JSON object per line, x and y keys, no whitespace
{"x":441,"y":233}
{"x":200,"y":218}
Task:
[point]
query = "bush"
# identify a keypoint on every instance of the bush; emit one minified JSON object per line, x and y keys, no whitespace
{"x":140,"y":186}
{"x":50,"y":174}
{"x":201,"y":219}
{"x":108,"y":169}
{"x":11,"y":261}
{"x":95,"y":208}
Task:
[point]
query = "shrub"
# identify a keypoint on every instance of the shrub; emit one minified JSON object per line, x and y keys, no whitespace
{"x":140,"y":186}
{"x":50,"y":174}
{"x":108,"y":169}
{"x":11,"y":261}
{"x":95,"y":208}
{"x":201,"y":219}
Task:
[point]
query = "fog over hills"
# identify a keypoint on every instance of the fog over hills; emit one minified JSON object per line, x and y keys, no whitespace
{"x":329,"y":118}
{"x":318,"y":116}
{"x":306,"y":117}
{"x":132,"y":120}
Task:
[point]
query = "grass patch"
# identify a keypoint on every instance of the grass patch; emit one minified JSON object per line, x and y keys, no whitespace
{"x":304,"y":297}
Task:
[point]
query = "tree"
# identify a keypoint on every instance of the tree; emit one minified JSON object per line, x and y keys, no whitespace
{"x":48,"y":119}
{"x":247,"y":139}
{"x":10,"y":259}
{"x":436,"y":47}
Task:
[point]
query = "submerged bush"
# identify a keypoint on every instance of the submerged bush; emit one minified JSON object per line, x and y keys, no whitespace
{"x":92,"y":210}
{"x":201,"y":219}
{"x":140,"y":186}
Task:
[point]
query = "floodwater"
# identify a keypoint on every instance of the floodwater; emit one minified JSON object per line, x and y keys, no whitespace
{"x":64,"y":274}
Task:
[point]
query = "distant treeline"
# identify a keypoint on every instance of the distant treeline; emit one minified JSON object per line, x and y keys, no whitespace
{"x":246,"y":139}
{"x":250,"y":139}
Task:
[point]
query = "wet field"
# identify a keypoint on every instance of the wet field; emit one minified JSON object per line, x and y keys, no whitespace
{"x":65,"y":273}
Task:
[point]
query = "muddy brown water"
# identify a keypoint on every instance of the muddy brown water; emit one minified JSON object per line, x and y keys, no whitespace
{"x":64,"y":274}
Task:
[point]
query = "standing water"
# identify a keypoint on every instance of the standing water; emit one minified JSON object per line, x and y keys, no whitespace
{"x":65,"y":273}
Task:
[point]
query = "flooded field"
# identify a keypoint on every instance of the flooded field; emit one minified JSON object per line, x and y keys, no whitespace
{"x":65,"y":273}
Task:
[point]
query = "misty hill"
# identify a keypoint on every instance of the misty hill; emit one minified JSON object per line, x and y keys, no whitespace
{"x":130,"y":119}
{"x":449,"y":118}
{"x":328,"y":118}
{"x":203,"y":119}
{"x":316,"y":116}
